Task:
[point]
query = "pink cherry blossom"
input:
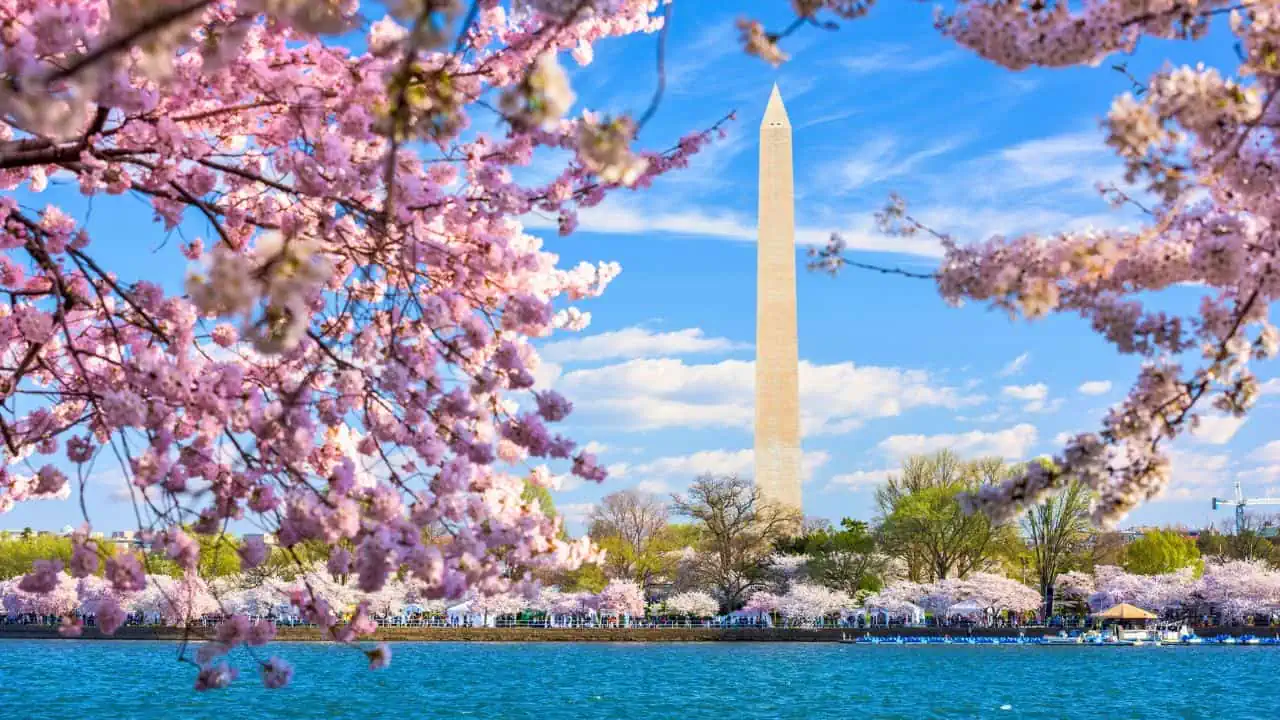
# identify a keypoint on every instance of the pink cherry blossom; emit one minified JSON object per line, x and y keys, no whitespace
{"x":109,"y":615}
{"x":276,"y":673}
{"x":349,"y":357}
{"x":215,"y":677}
{"x":622,"y":597}
{"x":253,"y":552}
{"x":43,"y":577}
{"x":379,"y":656}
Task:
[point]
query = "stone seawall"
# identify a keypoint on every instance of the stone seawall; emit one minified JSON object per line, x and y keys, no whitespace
{"x":576,"y":634}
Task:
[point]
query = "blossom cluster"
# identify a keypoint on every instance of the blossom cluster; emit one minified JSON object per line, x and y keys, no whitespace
{"x":351,"y":359}
{"x":1199,"y":148}
{"x":1233,"y":589}
{"x":802,"y":601}
{"x":988,"y":592}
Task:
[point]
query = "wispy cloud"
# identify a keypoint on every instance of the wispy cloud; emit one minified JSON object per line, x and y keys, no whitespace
{"x":1015,"y":365}
{"x":618,"y":217}
{"x":896,"y":58}
{"x":882,"y":159}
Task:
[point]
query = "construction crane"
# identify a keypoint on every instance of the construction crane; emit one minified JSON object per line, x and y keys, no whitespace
{"x":1240,"y":502}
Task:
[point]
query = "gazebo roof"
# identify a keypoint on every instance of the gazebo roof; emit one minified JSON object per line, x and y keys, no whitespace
{"x":1125,"y":611}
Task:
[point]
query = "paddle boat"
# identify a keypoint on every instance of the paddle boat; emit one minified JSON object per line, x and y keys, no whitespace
{"x":1062,"y":638}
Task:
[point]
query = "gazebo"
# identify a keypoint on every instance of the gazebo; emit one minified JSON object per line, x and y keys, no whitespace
{"x":1125,"y":612}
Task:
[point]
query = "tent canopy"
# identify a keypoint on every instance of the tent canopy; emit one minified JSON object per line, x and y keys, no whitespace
{"x":1125,"y":611}
{"x":967,"y":607}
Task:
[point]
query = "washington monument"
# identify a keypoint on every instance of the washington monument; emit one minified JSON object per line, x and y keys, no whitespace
{"x":777,"y":442}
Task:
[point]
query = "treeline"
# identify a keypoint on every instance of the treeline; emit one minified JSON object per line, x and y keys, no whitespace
{"x":721,"y":536}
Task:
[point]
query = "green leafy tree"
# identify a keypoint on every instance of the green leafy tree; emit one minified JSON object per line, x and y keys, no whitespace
{"x":845,"y":559}
{"x":923,"y":525}
{"x":1161,"y":551}
{"x":542,"y":496}
{"x":18,"y":553}
{"x":1057,"y":532}
{"x":587,"y":578}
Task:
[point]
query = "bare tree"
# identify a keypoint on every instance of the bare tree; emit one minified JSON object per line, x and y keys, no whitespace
{"x":632,"y":527}
{"x":739,"y":529}
{"x":1056,"y":531}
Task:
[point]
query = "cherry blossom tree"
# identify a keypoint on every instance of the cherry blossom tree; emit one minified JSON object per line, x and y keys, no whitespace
{"x":622,"y":597}
{"x":61,"y":599}
{"x":763,"y":602}
{"x":500,"y":605}
{"x":175,"y":601}
{"x":1157,"y":593}
{"x":1238,"y":588}
{"x":805,"y":601}
{"x":695,"y":603}
{"x":1199,"y":145}
{"x":348,"y":360}
{"x":896,"y":600}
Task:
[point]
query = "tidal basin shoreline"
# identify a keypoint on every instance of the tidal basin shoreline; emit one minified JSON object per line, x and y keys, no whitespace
{"x":578,"y":635}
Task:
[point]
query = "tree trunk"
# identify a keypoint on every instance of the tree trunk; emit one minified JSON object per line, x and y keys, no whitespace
{"x":1048,"y":601}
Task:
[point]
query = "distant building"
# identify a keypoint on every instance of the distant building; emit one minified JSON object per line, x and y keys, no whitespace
{"x":267,"y":538}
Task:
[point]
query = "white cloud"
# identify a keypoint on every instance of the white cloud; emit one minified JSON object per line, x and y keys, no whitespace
{"x":1062,"y":438}
{"x":653,"y":487}
{"x":1263,"y":473}
{"x":1035,"y":396}
{"x":1268,"y":453}
{"x":595,"y":447}
{"x":567,"y":482}
{"x":545,"y":374}
{"x":891,"y":58}
{"x":1013,"y":443}
{"x":663,"y":475}
{"x":634,"y":342}
{"x":1196,"y":476}
{"x":647,"y":394}
{"x":576,"y":513}
{"x":1216,"y":429}
{"x":1270,"y":387}
{"x":1015,"y":365}
{"x":1095,"y":387}
{"x":1038,"y":391}
{"x":858,"y":480}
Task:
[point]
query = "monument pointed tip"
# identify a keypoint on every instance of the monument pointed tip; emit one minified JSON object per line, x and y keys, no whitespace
{"x":775,"y":113}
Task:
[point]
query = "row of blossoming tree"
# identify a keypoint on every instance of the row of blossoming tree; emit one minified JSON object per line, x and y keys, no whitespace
{"x":1228,"y":590}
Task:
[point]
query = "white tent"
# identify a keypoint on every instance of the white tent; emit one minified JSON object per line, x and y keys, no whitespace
{"x":967,"y":608}
{"x":461,"y":613}
{"x":910,"y":613}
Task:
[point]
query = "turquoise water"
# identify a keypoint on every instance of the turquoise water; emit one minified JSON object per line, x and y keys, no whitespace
{"x":65,"y":680}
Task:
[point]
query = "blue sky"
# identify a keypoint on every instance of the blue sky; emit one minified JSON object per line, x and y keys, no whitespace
{"x":662,"y":379}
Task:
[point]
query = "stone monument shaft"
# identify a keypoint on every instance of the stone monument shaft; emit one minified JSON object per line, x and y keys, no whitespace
{"x":777,"y":438}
